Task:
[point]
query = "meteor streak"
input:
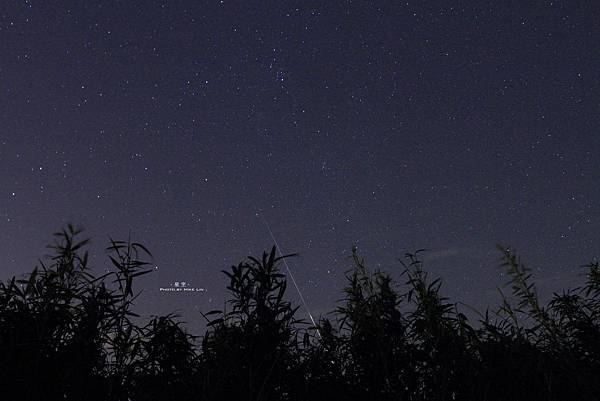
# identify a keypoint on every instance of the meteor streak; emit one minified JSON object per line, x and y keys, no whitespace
{"x":293,"y":279}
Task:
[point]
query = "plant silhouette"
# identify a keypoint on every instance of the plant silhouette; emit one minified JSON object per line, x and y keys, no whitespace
{"x":68,"y":334}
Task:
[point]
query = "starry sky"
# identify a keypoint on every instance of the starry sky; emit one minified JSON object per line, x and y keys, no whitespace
{"x":446,"y":125}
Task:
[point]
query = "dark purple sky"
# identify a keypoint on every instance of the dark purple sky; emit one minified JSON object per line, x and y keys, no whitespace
{"x":451,"y":126}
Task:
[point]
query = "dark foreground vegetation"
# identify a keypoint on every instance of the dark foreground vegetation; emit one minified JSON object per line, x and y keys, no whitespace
{"x":66,"y":334}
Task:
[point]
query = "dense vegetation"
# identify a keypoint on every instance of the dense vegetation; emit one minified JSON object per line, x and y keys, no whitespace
{"x":66,"y":334}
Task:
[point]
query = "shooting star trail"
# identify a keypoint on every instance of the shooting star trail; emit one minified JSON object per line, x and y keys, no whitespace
{"x":293,"y":279}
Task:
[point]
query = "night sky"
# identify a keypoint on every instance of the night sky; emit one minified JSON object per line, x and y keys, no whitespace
{"x":450,"y":126}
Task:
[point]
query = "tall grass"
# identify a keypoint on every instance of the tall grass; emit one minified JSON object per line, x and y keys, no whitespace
{"x":68,"y":334}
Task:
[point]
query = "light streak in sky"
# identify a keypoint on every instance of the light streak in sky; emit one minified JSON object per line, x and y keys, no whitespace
{"x":293,"y":279}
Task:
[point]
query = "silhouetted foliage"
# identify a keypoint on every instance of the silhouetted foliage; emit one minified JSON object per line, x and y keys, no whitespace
{"x":249,"y":352}
{"x":68,"y":334}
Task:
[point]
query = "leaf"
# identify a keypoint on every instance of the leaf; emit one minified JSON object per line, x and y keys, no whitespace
{"x":137,"y":274}
{"x":214,"y":322}
{"x":138,"y":245}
